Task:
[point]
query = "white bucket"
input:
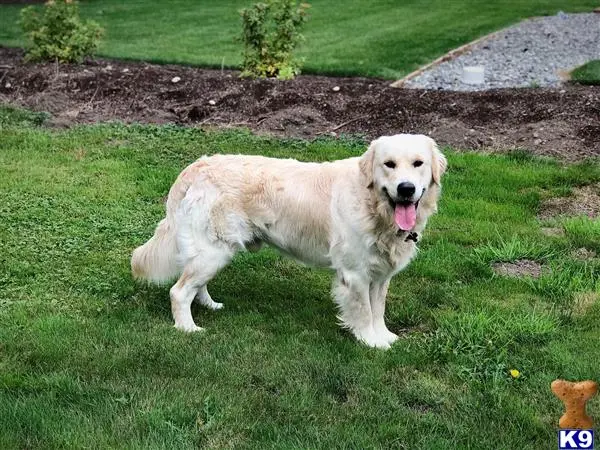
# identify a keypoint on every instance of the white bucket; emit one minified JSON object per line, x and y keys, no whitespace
{"x":473,"y":75}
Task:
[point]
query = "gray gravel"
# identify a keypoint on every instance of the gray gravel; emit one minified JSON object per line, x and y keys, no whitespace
{"x":531,"y":53}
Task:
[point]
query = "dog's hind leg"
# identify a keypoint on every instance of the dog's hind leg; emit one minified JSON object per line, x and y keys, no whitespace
{"x":182,"y":294}
{"x":196,"y":274}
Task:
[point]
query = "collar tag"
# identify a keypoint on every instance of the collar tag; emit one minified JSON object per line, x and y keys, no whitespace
{"x":412,"y":236}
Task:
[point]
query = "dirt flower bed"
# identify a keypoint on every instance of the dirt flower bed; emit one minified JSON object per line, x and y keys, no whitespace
{"x":564,"y":123}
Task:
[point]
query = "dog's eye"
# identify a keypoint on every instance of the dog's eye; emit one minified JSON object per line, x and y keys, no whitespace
{"x":418,"y":163}
{"x":390,"y":164}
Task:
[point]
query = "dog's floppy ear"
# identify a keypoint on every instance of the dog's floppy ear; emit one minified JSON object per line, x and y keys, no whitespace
{"x":439,"y":164}
{"x":366,"y":164}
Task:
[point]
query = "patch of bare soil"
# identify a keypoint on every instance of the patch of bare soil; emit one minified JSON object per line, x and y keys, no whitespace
{"x":583,"y":254}
{"x":584,"y":301}
{"x":553,"y":231}
{"x":584,"y":201}
{"x":563,"y":123}
{"x":519,"y":268}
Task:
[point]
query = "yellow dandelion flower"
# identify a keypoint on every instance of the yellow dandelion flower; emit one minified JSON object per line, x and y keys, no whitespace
{"x":515,"y":373}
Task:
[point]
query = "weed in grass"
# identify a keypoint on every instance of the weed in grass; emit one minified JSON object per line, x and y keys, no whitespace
{"x":21,"y":117}
{"x":480,"y":346}
{"x":207,"y":418}
{"x":583,"y":232}
{"x":561,"y":191}
{"x":520,"y":155}
{"x":513,"y":249}
{"x":561,"y":283}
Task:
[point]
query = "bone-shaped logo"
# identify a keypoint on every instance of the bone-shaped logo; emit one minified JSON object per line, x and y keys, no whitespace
{"x":575,"y":396}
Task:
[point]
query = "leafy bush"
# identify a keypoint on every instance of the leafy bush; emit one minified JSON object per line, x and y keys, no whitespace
{"x":57,"y":33}
{"x":270,"y":34}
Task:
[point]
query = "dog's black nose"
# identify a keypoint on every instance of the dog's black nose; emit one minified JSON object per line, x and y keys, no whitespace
{"x":406,"y":189}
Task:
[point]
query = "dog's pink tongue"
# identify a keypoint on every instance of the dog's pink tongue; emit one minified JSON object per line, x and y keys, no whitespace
{"x":405,"y":216}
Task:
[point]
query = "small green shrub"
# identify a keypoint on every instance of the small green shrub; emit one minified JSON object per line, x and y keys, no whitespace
{"x":57,"y":33}
{"x":270,"y":34}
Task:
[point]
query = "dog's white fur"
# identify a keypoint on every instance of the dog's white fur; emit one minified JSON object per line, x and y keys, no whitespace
{"x":336,"y":214}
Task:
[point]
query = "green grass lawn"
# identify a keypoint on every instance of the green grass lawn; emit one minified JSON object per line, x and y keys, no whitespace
{"x":589,"y":73}
{"x":386,"y":38}
{"x":89,"y":359}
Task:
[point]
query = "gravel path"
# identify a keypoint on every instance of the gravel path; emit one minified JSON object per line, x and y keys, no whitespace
{"x":531,"y":53}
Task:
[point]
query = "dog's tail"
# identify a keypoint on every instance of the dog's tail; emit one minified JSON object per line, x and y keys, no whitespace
{"x":156,"y":260}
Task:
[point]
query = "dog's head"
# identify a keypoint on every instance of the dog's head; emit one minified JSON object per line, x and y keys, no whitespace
{"x":402,"y":170}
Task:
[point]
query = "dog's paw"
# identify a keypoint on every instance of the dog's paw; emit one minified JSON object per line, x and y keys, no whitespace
{"x":372,"y":339}
{"x":215,"y":305}
{"x":389,"y":336}
{"x":385,"y":334}
{"x":206,"y":300}
{"x":378,"y":343}
{"x":188,"y":327}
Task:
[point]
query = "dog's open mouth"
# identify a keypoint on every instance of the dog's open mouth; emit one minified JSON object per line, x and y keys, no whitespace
{"x":405,"y":212}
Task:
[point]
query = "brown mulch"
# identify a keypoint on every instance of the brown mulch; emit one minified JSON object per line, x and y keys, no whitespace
{"x":564,"y":123}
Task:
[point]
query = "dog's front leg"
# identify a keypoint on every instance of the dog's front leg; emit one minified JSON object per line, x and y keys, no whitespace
{"x":378,"y":293}
{"x":351,"y":293}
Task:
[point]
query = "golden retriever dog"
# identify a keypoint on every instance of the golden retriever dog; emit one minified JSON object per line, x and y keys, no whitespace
{"x":360,"y":217}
